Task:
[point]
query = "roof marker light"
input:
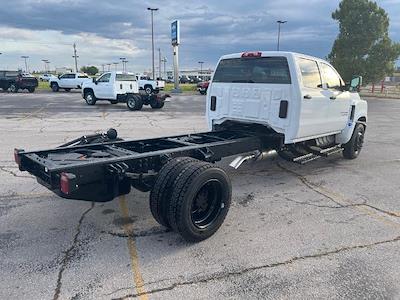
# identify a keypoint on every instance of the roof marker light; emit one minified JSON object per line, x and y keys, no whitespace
{"x":252,"y":54}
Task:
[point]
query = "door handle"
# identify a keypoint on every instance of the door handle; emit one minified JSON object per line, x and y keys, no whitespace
{"x":307,"y":97}
{"x":332,"y":97}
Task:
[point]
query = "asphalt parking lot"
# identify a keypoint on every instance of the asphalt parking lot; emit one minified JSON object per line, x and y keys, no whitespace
{"x":327,"y":230}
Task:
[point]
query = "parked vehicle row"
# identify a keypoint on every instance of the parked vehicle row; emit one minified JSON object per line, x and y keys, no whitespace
{"x":16,"y":80}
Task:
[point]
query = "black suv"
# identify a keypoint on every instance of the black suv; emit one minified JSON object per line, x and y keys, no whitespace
{"x":16,"y":80}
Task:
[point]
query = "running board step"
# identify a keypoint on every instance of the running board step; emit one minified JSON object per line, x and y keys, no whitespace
{"x":306,"y":158}
{"x":317,"y":154}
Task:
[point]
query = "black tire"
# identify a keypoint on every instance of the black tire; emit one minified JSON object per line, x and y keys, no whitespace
{"x":148,"y":89}
{"x":160,"y":195}
{"x":67,"y":90}
{"x":90,"y":98}
{"x":134,"y":102}
{"x":31,"y":90}
{"x":200,"y":201}
{"x":54,"y":87}
{"x":156,"y":104}
{"x":13,"y":88}
{"x":353,"y":148}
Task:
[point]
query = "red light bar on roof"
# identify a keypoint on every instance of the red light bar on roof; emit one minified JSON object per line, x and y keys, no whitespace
{"x":252,"y":54}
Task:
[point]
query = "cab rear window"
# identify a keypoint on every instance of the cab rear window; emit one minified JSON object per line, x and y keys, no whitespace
{"x":253,"y":70}
{"x":125,"y":77}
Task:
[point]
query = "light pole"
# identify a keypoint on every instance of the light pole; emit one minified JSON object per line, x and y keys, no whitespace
{"x":115,"y":64}
{"x":279,"y":32}
{"x":164,"y":60}
{"x":123,"y":59}
{"x":201,"y":69}
{"x":109,"y":65}
{"x":25,"y":57}
{"x":45,"y":61}
{"x":102,"y":68}
{"x":152,"y":10}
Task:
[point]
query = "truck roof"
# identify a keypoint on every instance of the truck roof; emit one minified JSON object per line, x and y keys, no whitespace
{"x":117,"y":72}
{"x":269,"y":53}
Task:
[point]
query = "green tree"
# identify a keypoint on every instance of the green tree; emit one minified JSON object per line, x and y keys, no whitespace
{"x":90,"y":70}
{"x":363,"y":46}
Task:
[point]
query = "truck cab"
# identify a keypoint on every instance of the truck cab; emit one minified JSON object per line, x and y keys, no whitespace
{"x":301,"y":97}
{"x":68,"y":81}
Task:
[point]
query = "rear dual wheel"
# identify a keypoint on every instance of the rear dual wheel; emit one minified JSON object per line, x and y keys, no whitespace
{"x":157,"y":104}
{"x":134,"y":102}
{"x":191,"y":197}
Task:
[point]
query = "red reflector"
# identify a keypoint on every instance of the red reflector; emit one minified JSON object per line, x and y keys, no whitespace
{"x":251,"y":54}
{"x":64,"y":183}
{"x":17,"y":158}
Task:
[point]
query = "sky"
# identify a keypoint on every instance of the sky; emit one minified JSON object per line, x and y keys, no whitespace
{"x":104,"y":31}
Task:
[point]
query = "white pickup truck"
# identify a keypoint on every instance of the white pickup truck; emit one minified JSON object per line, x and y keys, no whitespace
{"x":150,"y":86}
{"x":117,"y":87}
{"x":303,"y":98}
{"x":68,"y":81}
{"x":258,"y":103}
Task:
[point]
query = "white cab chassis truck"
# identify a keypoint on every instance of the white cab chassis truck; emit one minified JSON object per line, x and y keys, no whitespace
{"x":258,"y":103}
{"x":68,"y":81}
{"x":119,"y":87}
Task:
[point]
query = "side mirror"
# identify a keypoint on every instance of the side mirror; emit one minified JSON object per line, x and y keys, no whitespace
{"x":356,"y":83}
{"x":94,"y":80}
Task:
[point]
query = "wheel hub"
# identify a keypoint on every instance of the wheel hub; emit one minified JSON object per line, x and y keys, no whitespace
{"x":207,"y":204}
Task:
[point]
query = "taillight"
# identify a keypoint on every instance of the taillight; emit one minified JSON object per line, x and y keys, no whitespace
{"x":64,"y":183}
{"x":252,"y":54}
{"x":17,"y":158}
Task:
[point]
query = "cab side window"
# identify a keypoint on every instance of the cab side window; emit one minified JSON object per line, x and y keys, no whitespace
{"x":310,"y":73}
{"x":104,"y":78}
{"x":331,"y":78}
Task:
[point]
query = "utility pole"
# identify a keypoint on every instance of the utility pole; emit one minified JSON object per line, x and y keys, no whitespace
{"x":201,"y":69}
{"x":25,"y":57}
{"x":76,"y":59}
{"x":279,"y":32}
{"x":152,"y":10}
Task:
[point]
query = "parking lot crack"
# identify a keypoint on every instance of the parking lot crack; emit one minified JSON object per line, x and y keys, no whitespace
{"x":14,"y":174}
{"x":224,"y":275}
{"x":69,"y":253}
{"x":144,"y":233}
{"x":327,"y":195}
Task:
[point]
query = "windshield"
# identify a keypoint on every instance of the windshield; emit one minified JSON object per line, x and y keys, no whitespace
{"x":253,"y":70}
{"x":125,"y":77}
